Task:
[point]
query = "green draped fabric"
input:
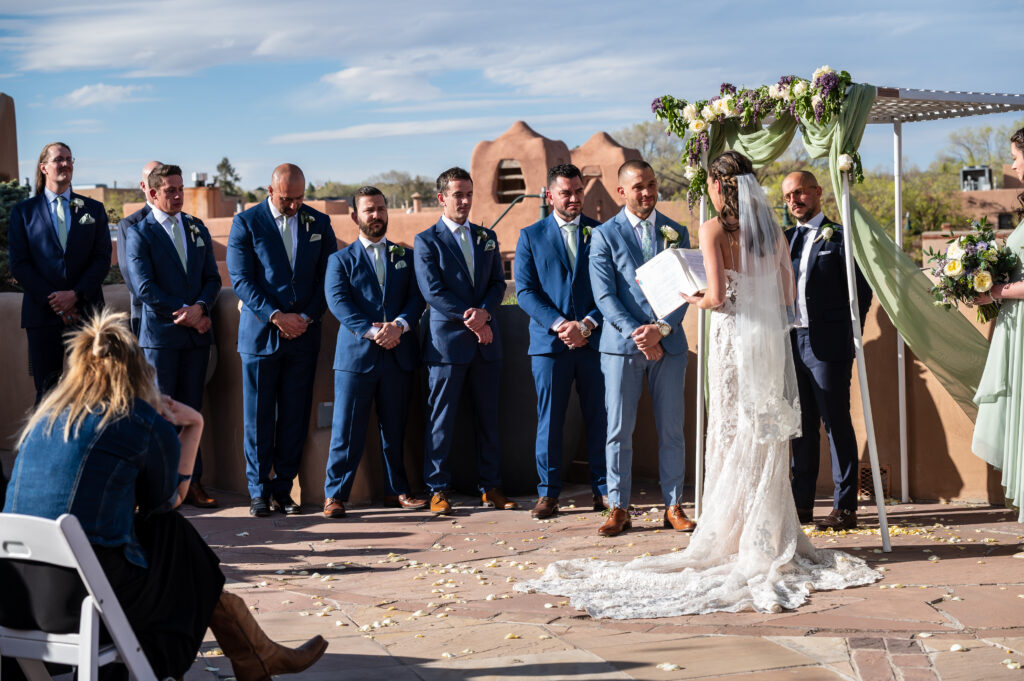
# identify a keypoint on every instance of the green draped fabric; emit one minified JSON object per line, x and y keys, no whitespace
{"x":947,"y":343}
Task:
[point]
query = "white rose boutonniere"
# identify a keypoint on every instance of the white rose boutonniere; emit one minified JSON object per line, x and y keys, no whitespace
{"x":586,"y":233}
{"x":191,"y":228}
{"x":77,"y":204}
{"x":395,"y":249}
{"x":306,"y":220}
{"x":481,"y":234}
{"x":827,"y":232}
{"x":86,"y":220}
{"x":670,"y":235}
{"x":845,"y":163}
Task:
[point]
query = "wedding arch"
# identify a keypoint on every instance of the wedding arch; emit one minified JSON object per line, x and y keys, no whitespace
{"x":831,"y":113}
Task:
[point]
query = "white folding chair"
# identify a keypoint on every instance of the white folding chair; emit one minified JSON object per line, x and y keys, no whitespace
{"x":62,"y":542}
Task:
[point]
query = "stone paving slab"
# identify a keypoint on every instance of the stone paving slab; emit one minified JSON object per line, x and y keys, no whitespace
{"x":445,"y":585}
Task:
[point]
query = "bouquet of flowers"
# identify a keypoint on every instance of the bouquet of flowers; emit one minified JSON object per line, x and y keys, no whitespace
{"x":971,"y":265}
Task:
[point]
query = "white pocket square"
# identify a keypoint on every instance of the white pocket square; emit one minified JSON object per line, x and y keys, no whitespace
{"x":314,"y":237}
{"x":86,"y":220}
{"x":400,"y":264}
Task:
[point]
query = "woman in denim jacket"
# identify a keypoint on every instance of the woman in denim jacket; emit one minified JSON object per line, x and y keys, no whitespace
{"x":100,"y":445}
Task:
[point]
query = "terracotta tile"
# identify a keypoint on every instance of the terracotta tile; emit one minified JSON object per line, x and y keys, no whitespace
{"x":919,"y":660}
{"x":872,"y":665}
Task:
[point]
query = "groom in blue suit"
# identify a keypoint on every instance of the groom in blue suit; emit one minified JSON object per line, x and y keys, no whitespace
{"x":459,"y":272}
{"x":635,"y":344}
{"x":171,"y":265}
{"x":553,"y":286}
{"x":277,"y":258}
{"x":371,"y":289}
{"x":59,"y":248}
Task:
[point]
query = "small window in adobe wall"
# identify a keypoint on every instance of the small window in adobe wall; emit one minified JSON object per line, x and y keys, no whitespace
{"x":510,"y":182}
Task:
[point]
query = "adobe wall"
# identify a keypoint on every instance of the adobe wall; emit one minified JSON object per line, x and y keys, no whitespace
{"x":8,"y":140}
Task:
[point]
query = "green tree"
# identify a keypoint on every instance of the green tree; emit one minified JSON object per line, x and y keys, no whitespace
{"x":399,"y":186}
{"x":10,"y":194}
{"x":227,"y":178}
{"x":663,"y":151}
{"x":980,"y":145}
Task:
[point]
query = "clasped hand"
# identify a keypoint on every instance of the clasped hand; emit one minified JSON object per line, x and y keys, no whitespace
{"x":648,"y":341}
{"x":389,"y":334}
{"x":570,"y":334}
{"x":476,"y":319}
{"x":192,"y":316}
{"x":290,"y":324}
{"x":64,"y":304}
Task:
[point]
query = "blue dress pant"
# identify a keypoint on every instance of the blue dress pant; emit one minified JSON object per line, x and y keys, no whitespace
{"x":45,"y":357}
{"x":553,"y":375}
{"x":182,"y":375}
{"x":277,"y":398}
{"x":389,"y":386}
{"x":824,"y":398}
{"x":445,"y":383}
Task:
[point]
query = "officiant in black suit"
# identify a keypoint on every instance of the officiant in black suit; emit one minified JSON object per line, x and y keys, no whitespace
{"x":822,"y":351}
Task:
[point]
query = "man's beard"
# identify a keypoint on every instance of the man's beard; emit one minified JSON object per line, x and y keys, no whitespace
{"x":374,"y":230}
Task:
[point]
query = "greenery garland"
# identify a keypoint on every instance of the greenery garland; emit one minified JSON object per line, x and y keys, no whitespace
{"x":820,"y":98}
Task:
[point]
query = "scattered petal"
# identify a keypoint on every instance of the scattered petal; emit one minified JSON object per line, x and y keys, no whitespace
{"x":669,"y":667}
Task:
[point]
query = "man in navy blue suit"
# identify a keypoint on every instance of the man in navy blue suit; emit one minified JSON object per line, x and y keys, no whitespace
{"x":635,"y":344}
{"x":552,"y":272}
{"x":459,"y":272}
{"x":122,"y":250}
{"x":823,"y":352}
{"x":59,"y":247}
{"x":277,"y":257}
{"x":371,"y":289}
{"x":171,"y":265}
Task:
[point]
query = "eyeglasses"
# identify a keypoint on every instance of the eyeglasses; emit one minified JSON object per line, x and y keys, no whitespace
{"x":62,"y":159}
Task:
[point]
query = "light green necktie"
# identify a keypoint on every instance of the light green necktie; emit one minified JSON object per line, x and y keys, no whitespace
{"x":467,"y":251}
{"x":378,"y":262}
{"x":62,"y":223}
{"x":179,"y":245}
{"x":286,"y":235}
{"x":570,"y":243}
{"x":646,"y":241}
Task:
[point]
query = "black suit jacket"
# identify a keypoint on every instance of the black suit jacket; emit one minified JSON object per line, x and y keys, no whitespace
{"x":827,"y":298}
{"x":122,"y":259}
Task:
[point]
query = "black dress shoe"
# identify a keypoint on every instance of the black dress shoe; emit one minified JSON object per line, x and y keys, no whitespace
{"x":601,"y":502}
{"x":258,"y":507}
{"x":805,"y":515}
{"x":284,"y":504}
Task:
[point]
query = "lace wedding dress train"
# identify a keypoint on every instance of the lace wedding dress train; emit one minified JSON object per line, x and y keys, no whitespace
{"x":748,"y":551}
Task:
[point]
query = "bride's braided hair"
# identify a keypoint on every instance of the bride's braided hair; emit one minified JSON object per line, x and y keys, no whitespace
{"x":726,"y":168}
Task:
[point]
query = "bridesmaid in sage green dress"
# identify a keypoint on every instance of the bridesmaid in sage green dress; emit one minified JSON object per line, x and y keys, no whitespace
{"x":999,"y":428}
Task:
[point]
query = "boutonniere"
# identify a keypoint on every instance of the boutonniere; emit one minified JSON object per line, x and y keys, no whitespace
{"x":671,"y":236}
{"x":586,"y":233}
{"x":481,"y":234}
{"x":77,"y":204}
{"x":190,"y":225}
{"x":86,"y":220}
{"x":827,"y":232}
{"x":307,"y":219}
{"x":395,"y":249}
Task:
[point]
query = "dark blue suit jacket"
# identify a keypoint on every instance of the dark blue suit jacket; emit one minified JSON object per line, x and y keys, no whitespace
{"x":547,"y":288}
{"x":614,"y":257}
{"x":828,"y":300}
{"x":263,"y":278}
{"x":41,"y":267}
{"x":122,"y":256}
{"x":446,"y":287}
{"x":164,"y":287}
{"x":356,"y":299}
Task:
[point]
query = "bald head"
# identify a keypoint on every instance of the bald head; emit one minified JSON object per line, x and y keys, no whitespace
{"x":287,"y":188}
{"x":802,"y":194}
{"x":146,"y":170}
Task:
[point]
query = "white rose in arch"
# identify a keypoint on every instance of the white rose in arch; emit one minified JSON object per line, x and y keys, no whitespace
{"x":690,"y":172}
{"x":800,"y":87}
{"x":708,"y":113}
{"x":689,"y":112}
{"x":815,"y":101}
{"x":774,"y":91}
{"x":821,"y":71}
{"x":845,"y":162}
{"x":697,"y":125}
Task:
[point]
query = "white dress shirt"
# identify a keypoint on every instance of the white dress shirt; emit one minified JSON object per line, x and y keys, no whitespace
{"x":382,"y":245}
{"x":814,"y":224}
{"x":638,"y":230}
{"x":293,"y":221}
{"x":565,"y":242}
{"x":454,"y":227}
{"x":170,"y":223}
{"x":51,"y":203}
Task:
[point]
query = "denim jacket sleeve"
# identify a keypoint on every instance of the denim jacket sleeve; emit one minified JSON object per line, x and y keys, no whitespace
{"x":157,"y":484}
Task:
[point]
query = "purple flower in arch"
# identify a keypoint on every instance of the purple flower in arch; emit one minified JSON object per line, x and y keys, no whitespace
{"x":656,"y":105}
{"x":727,"y":88}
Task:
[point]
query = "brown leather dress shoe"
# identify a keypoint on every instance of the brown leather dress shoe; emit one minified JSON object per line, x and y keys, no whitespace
{"x":405,"y":501}
{"x":618,"y":521}
{"x":495,"y":498}
{"x":197,"y":496}
{"x":334,"y":508}
{"x":675,"y":517}
{"x":838,"y":519}
{"x":545,"y":508}
{"x":439,"y":504}
{"x":601,"y":502}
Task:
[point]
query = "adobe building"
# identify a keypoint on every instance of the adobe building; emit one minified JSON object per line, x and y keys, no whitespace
{"x":8,"y":140}
{"x":998,"y":205}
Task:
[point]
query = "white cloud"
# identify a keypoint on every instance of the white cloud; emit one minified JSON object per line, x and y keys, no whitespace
{"x":102,"y":94}
{"x":381,"y":84}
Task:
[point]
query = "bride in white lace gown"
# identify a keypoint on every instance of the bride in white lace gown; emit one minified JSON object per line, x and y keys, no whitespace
{"x":748,"y":551}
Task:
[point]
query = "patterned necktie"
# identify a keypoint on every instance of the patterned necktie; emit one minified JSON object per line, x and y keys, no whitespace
{"x":646,"y":241}
{"x":570,"y":243}
{"x":286,"y":236}
{"x":467,"y":251}
{"x":62,"y":223}
{"x":378,"y":263}
{"x":179,"y":245}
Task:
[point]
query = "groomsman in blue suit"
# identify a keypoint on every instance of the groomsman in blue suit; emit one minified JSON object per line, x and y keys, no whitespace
{"x":170,"y":263}
{"x":459,"y":272}
{"x":552,"y":271}
{"x":122,"y":250}
{"x":59,"y":248}
{"x":635,"y":344}
{"x":277,"y":257}
{"x":823,"y":352}
{"x":371,"y":289}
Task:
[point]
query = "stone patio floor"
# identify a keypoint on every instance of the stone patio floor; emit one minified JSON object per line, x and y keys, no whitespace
{"x":404,"y":595}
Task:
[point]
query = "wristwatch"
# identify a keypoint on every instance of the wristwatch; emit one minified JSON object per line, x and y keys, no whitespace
{"x":584,"y":329}
{"x":664,"y":328}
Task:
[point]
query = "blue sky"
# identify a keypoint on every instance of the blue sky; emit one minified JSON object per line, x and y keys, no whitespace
{"x":347,"y":90}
